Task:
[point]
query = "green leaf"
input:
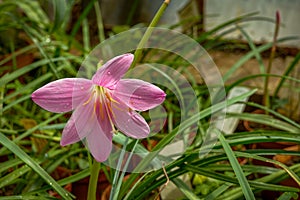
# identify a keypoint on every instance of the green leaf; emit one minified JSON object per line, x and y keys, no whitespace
{"x":237,"y":169}
{"x":60,"y":10}
{"x":34,"y":165}
{"x":267,"y":120}
{"x":184,"y":189}
{"x":13,"y":176}
{"x":169,"y":137}
{"x":288,"y":196}
{"x":249,"y":55}
{"x":10,"y":77}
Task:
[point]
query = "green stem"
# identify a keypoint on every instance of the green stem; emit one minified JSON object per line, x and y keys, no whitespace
{"x":286,"y":73}
{"x":99,"y":22}
{"x":93,"y":181}
{"x":117,"y":190}
{"x":116,"y":176}
{"x":146,"y":36}
{"x":266,"y":98}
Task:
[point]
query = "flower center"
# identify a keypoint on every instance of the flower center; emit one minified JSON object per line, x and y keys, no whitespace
{"x":102,"y":104}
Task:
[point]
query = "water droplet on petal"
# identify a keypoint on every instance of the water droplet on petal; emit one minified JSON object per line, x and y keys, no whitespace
{"x":108,"y":72}
{"x":82,"y":88}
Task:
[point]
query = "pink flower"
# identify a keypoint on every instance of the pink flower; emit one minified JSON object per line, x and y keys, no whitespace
{"x":101,"y":104}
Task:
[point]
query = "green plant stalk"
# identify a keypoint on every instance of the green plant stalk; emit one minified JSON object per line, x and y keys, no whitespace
{"x":86,"y":36}
{"x":169,"y":137}
{"x":190,"y":163}
{"x":34,"y":165}
{"x":14,"y":57}
{"x":70,"y":179}
{"x":277,"y":114}
{"x":41,"y":49}
{"x":254,"y":49}
{"x":117,"y":172}
{"x":238,"y":82}
{"x":93,"y":181}
{"x":99,"y":22}
{"x":266,"y":98}
{"x":184,"y":188}
{"x":146,"y":36}
{"x":250,"y":54}
{"x":287,"y":169}
{"x":1,"y":103}
{"x":30,"y":131}
{"x":61,"y":12}
{"x":118,"y":187}
{"x":269,"y":178}
{"x":286,"y":73}
{"x":80,"y":19}
{"x":288,"y":196}
{"x":236,"y":168}
{"x":132,"y":12}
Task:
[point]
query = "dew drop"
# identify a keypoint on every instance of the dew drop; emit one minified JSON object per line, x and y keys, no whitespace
{"x":108,"y":72}
{"x":82,"y":88}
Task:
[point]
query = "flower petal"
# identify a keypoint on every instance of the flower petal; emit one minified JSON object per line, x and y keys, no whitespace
{"x":138,"y":94}
{"x":99,"y":144}
{"x":62,"y":95}
{"x":79,"y":125}
{"x":99,"y":141}
{"x":112,"y":71}
{"x":129,"y":122}
{"x":88,"y":122}
{"x":70,"y":134}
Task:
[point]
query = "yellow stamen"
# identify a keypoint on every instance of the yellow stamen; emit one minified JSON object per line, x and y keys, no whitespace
{"x":105,"y":102}
{"x":90,"y":98}
{"x":101,"y":111}
{"x":110,"y":98}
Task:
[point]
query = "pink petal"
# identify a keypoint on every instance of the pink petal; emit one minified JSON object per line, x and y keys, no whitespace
{"x":70,"y":134}
{"x":88,"y":122}
{"x":99,"y":141}
{"x":99,"y":144}
{"x":138,"y":94}
{"x":79,"y":125}
{"x":62,"y":95}
{"x":112,"y":71}
{"x":129,"y":122}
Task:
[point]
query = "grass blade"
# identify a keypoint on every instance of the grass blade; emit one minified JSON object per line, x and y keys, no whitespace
{"x":286,"y":73}
{"x":288,"y":196}
{"x":36,"y":167}
{"x":184,"y":189}
{"x":237,"y":169}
